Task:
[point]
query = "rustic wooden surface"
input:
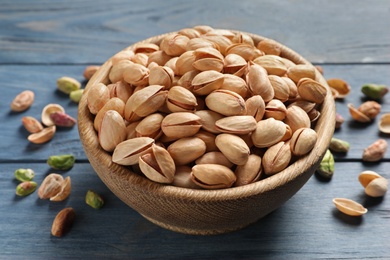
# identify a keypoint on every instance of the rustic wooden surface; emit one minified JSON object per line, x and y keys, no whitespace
{"x":43,"y":40}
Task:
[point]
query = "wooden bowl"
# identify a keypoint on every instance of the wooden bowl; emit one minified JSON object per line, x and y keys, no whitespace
{"x":204,"y":212}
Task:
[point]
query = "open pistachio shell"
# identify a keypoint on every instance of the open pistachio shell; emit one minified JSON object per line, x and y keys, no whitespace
{"x":384,"y":123}
{"x":349,"y":207}
{"x":341,"y":87}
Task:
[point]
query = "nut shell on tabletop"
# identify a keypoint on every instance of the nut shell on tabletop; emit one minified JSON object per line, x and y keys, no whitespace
{"x":384,"y":123}
{"x":341,"y":87}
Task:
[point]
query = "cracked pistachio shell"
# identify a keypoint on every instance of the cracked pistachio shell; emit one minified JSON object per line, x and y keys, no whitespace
{"x":349,"y":207}
{"x":311,"y":90}
{"x":233,"y":63}
{"x":376,"y":151}
{"x":98,"y":95}
{"x":180,"y":124}
{"x":128,"y":151}
{"x":326,"y":167}
{"x":161,"y":75}
{"x":247,"y":51}
{"x":220,"y":41}
{"x":184,"y":63}
{"x":158,"y":165}
{"x":208,"y":138}
{"x":269,"y":46}
{"x":208,"y":119}
{"x":273,"y":64}
{"x":182,"y":178}
{"x":259,"y":83}
{"x":235,"y":84}
{"x":297,"y":118}
{"x":268,"y":132}
{"x":145,"y":47}
{"x":43,"y":136}
{"x":357,"y":115}
{"x":299,"y":71}
{"x":114,"y":103}
{"x":174,"y":44}
{"x":374,"y":91}
{"x":145,"y":101}
{"x":293,"y":90}
{"x":121,"y":89}
{"x":186,"y":150}
{"x":249,"y":172}
{"x":276,"y":109}
{"x":150,"y":126}
{"x":180,"y":99}
{"x":49,"y":109}
{"x":240,"y":37}
{"x":136,"y":74}
{"x":214,"y":158}
{"x":24,"y":174}
{"x":233,"y":147}
{"x":341,"y":87}
{"x":276,"y":158}
{"x":281,"y":89}
{"x":255,"y":107}
{"x":206,"y":82}
{"x":384,"y":123}
{"x":112,"y":130}
{"x":26,"y":188}
{"x":370,"y":108}
{"x":93,"y":199}
{"x":31,"y":124}
{"x":239,"y":125}
{"x":61,"y":162}
{"x":51,"y":186}
{"x":303,"y":141}
{"x":212,"y":176}
{"x":226,"y":102}
{"x":68,"y":84}
{"x":22,"y":101}
{"x":338,"y":145}
{"x":119,"y":67}
{"x":64,"y":192}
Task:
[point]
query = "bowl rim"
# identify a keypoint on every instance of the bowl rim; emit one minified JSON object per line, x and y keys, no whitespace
{"x":114,"y":173}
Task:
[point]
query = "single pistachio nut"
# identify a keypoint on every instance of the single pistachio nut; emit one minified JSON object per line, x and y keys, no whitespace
{"x":51,"y":186}
{"x":114,"y":103}
{"x":374,"y":91}
{"x":62,"y":119}
{"x":212,"y":176}
{"x":370,"y":108}
{"x":112,"y":130}
{"x":349,"y":207}
{"x":26,"y":188}
{"x":181,"y":124}
{"x":273,"y":64}
{"x":94,"y":200}
{"x":214,"y":158}
{"x":248,"y":172}
{"x":239,"y":125}
{"x":326,"y":167}
{"x":182,"y":178}
{"x":22,"y":101}
{"x":374,"y":184}
{"x":64,"y":192}
{"x":233,"y":147}
{"x":24,"y":174}
{"x":255,"y":106}
{"x":45,"y":135}
{"x":180,"y":99}
{"x":226,"y":102}
{"x":259,"y":83}
{"x":297,"y":118}
{"x":89,"y":71}
{"x":376,"y":151}
{"x":300,"y":71}
{"x":98,"y":96}
{"x":129,"y":151}
{"x":303,"y":141}
{"x":61,"y":162}
{"x":268,"y":132}
{"x":338,"y":145}
{"x":47,"y":111}
{"x":31,"y":124}
{"x":276,"y":158}
{"x":186,"y":150}
{"x":68,"y":84}
{"x":76,"y":95}
{"x":63,"y":222}
{"x":311,"y":90}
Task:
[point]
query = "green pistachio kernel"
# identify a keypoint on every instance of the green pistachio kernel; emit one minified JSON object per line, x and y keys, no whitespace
{"x":326,"y":167}
{"x":61,"y":162}
{"x":338,"y":145}
{"x":94,"y":200}
{"x":374,"y":91}
{"x":68,"y":84}
{"x":26,"y":188}
{"x":75,"y":95}
{"x":24,"y":174}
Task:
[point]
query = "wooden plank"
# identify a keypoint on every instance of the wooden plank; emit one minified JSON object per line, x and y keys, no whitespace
{"x":82,"y":32}
{"x":42,"y":80}
{"x":307,"y":226}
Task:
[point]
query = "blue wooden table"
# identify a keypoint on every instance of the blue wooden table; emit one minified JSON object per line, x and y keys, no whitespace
{"x":41,"y":41}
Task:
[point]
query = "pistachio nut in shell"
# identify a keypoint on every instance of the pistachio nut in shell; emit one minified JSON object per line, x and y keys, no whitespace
{"x":297,"y":118}
{"x":273,"y":64}
{"x":64,"y":192}
{"x":245,"y":50}
{"x":377,"y":187}
{"x":150,"y":126}
{"x":182,"y":178}
{"x":208,"y":118}
{"x":112,"y":130}
{"x":303,"y":141}
{"x":311,"y":90}
{"x":31,"y":124}
{"x":186,"y":150}
{"x":248,"y":172}
{"x":233,"y":147}
{"x":49,"y":109}
{"x":68,"y":84}
{"x":366,"y":177}
{"x":269,"y":46}
{"x":180,"y":124}
{"x":161,"y":75}
{"x":259,"y":83}
{"x":233,"y":63}
{"x":226,"y":102}
{"x":26,"y":188}
{"x":341,"y":86}
{"x":281,"y":88}
{"x":206,"y":82}
{"x":98,"y":95}
{"x":370,"y":108}
{"x":93,"y":199}
{"x":349,"y":207}
{"x":326,"y":167}
{"x":214,"y":157}
{"x":268,"y":132}
{"x":236,"y":124}
{"x":299,"y":71}
{"x":374,"y":91}
{"x":128,"y":151}
{"x":45,"y":135}
{"x":208,"y":138}
{"x":158,"y":165}
{"x":61,"y":162}
{"x":24,"y":174}
{"x":276,"y":109}
{"x":114,"y":103}
{"x":136,"y":74}
{"x":384,"y":123}
{"x":180,"y":99}
{"x":174,"y":44}
{"x":121,"y":89}
{"x":63,"y":222}
{"x":51,"y":186}
{"x":22,"y":101}
{"x":375,"y":151}
{"x":255,"y":106}
{"x":235,"y":84}
{"x":89,"y":71}
{"x":276,"y":158}
{"x":357,"y":115}
{"x":212,"y":176}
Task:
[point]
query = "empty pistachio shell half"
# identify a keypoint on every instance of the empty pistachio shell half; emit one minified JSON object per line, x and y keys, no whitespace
{"x":341,"y":86}
{"x":384,"y":123}
{"x":349,"y":207}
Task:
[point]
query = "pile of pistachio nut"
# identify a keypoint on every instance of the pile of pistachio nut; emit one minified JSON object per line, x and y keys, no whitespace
{"x":206,"y":108}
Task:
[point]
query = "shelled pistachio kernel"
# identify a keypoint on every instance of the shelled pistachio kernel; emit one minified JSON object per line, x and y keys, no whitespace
{"x":374,"y":91}
{"x":68,"y":84}
{"x":63,"y":222}
{"x":94,"y":200}
{"x":24,"y":174}
{"x":61,"y":162}
{"x":76,"y":95}
{"x":326,"y":167}
{"x":338,"y":145}
{"x":26,"y":188}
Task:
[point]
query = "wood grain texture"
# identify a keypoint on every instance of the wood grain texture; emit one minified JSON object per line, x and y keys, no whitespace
{"x":91,"y":31}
